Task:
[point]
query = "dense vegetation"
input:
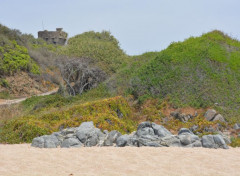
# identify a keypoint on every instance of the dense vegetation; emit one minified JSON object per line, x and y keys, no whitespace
{"x":100,"y":46}
{"x":199,"y":73}
{"x":13,"y":56}
{"x":110,"y":114}
{"x":22,"y":54}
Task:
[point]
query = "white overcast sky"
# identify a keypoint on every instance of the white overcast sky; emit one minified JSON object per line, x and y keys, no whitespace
{"x":139,"y":25}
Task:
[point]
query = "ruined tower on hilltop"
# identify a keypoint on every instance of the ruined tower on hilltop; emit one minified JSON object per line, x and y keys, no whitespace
{"x":58,"y":37}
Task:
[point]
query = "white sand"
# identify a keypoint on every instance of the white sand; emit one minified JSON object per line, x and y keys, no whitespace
{"x":24,"y":160}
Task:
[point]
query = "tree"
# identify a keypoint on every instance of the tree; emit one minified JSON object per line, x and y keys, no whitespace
{"x":79,"y":76}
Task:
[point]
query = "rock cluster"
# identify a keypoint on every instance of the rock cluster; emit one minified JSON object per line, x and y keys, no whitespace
{"x":212,"y":115}
{"x":181,"y":116}
{"x":147,"y":134}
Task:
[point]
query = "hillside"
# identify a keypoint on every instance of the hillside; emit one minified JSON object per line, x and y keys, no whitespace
{"x":20,"y":72}
{"x":189,"y":76}
{"x":199,"y":72}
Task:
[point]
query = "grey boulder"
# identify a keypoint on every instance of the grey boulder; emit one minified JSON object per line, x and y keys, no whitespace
{"x":88,"y":134}
{"x":214,"y":141}
{"x":147,"y":140}
{"x":219,"y":117}
{"x":38,"y":142}
{"x":51,"y":141}
{"x":122,"y":141}
{"x":71,"y":142}
{"x":149,"y":134}
{"x":182,"y":117}
{"x":46,"y":141}
{"x":160,"y":131}
{"x":148,"y":128}
{"x":171,"y":141}
{"x":111,"y":138}
{"x":210,"y":114}
{"x":187,"y":138}
{"x":225,"y":137}
{"x":184,"y":131}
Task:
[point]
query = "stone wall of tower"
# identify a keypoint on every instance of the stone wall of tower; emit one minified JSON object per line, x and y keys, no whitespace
{"x":57,"y":37}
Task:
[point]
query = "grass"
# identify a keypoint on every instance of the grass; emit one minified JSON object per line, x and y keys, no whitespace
{"x":5,"y":95}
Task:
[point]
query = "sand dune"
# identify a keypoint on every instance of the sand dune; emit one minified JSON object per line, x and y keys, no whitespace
{"x":24,"y":160}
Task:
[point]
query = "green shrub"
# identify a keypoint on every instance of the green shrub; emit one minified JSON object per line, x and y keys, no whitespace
{"x":235,"y":142}
{"x":15,"y":58}
{"x":102,"y":47}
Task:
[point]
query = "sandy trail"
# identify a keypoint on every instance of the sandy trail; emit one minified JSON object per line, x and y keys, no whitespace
{"x":15,"y":101}
{"x":24,"y":160}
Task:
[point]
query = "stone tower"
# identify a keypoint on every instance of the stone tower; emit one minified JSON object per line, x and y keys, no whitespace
{"x":58,"y":37}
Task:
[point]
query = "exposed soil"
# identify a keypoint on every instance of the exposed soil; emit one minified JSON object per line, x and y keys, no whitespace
{"x":22,"y":85}
{"x":186,"y":110}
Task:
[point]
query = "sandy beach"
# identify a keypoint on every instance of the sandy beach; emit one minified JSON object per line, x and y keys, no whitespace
{"x":23,"y":160}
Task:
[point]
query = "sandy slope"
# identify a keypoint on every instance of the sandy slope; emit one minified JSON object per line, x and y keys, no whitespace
{"x":27,"y":161}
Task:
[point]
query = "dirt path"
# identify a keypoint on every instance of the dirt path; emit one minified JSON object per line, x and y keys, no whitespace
{"x":15,"y":101}
{"x":22,"y":159}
